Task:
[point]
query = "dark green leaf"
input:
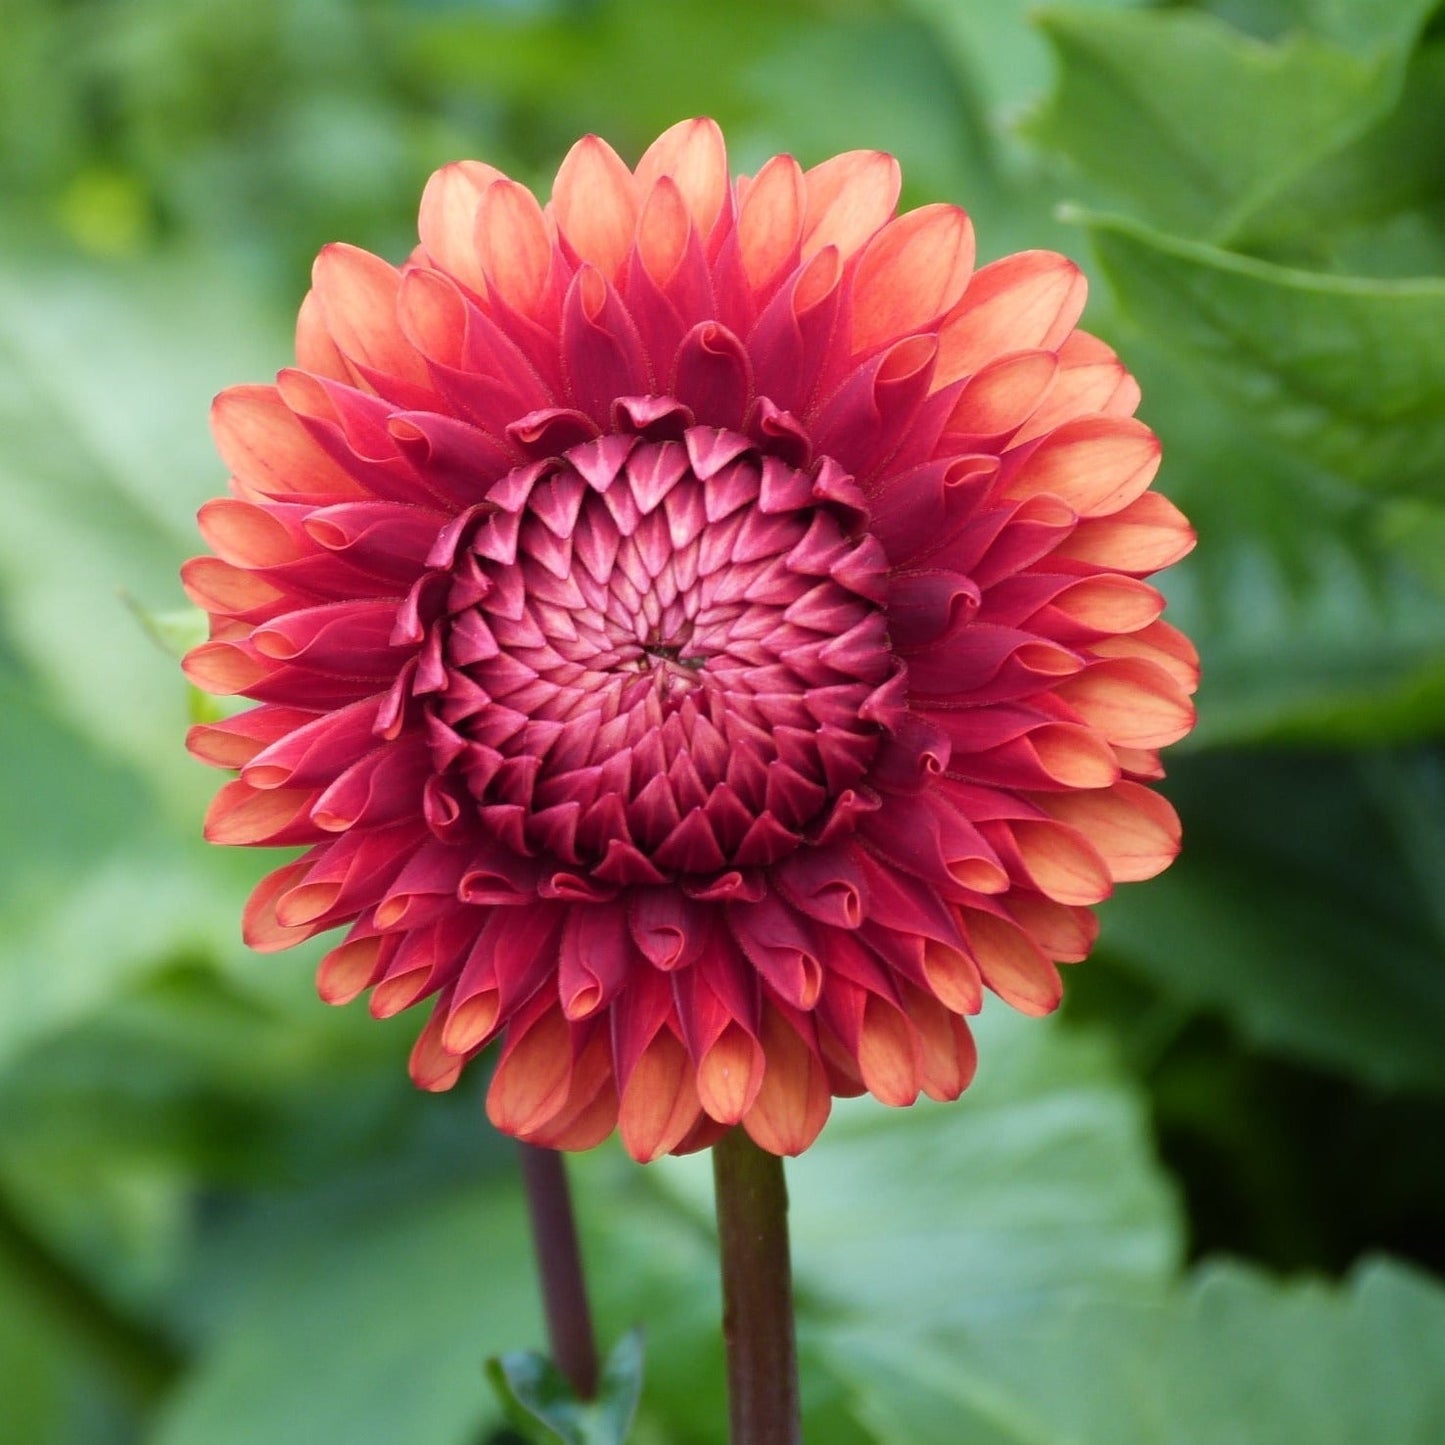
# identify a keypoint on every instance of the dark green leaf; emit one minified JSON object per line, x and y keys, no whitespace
{"x":1138,"y":109}
{"x":1304,"y":909}
{"x":1049,"y":1150}
{"x":1354,"y":24}
{"x":1377,"y":206}
{"x":105,"y":383}
{"x":1230,"y":1356}
{"x":998,"y":55}
{"x":540,"y":1401}
{"x":368,"y":1324}
{"x":1341,"y":371}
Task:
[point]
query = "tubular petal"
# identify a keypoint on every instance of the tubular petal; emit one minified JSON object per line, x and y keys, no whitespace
{"x":910,"y":273}
{"x":447,"y":224}
{"x":849,"y":198}
{"x":770,"y":221}
{"x":595,"y":201}
{"x":793,"y":1103}
{"x":693,"y":156}
{"x":1029,"y":300}
{"x":1135,"y":830}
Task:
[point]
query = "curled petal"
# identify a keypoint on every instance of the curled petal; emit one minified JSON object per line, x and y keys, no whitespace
{"x":793,"y":1102}
{"x":909,"y":274}
{"x":515,"y":245}
{"x":356,"y":294}
{"x":1130,"y":701}
{"x":1000,"y":397}
{"x":596,"y":959}
{"x":659,"y":1105}
{"x":849,"y":198}
{"x":534,"y":1074}
{"x":1135,"y":831}
{"x":693,"y":157}
{"x":595,"y":201}
{"x":1098,"y":465}
{"x":770,"y":221}
{"x":730,"y":1074}
{"x":1029,"y":300}
{"x":1147,"y":534}
{"x":1012,"y":964}
{"x":448,"y":220}
{"x":266,"y":447}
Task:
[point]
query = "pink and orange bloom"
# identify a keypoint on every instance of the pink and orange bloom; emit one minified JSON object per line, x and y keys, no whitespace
{"x":700,"y":638}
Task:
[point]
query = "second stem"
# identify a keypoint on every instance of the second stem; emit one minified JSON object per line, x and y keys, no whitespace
{"x":757,"y":1280}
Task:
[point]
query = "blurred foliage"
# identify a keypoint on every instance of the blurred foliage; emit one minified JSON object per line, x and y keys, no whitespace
{"x":224,"y":1214}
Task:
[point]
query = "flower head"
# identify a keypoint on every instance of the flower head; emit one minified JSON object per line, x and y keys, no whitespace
{"x":699,"y":637}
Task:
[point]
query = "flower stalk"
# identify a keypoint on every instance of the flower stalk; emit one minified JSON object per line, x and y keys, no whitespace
{"x":559,"y":1265}
{"x":757,"y":1280}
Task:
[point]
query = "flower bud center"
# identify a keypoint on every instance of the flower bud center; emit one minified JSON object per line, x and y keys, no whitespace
{"x":657,"y":663}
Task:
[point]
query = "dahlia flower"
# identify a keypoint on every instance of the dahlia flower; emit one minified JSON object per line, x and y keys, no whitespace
{"x":699,"y":638}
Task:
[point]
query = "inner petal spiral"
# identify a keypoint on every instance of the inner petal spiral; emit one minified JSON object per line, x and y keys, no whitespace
{"x":657,"y":658}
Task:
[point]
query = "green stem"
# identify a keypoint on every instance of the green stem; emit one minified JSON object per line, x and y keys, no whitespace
{"x":559,"y":1263}
{"x":757,"y":1280}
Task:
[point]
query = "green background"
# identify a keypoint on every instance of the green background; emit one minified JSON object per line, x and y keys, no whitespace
{"x":1206,"y":1204}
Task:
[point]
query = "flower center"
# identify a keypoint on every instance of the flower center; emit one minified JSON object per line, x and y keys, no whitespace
{"x":660,"y":657}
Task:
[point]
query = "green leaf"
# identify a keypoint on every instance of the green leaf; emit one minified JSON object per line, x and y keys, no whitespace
{"x":1229,"y":1356}
{"x":536,"y":1395}
{"x":175,"y":631}
{"x":366,"y":1322}
{"x":1341,"y":371}
{"x":1138,"y":109}
{"x":99,"y":891}
{"x":33,"y":1364}
{"x":1415,"y":531}
{"x":1318,"y":609}
{"x":1354,"y":24}
{"x":1038,"y":1183}
{"x":1377,"y":206}
{"x":997,"y":54}
{"x":1305,"y":909}
{"x":105,"y":386}
{"x":1039,"y":1180}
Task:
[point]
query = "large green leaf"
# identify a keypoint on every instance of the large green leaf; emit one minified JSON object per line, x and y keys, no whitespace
{"x":98,"y":889}
{"x":366,"y":1322}
{"x":1376,"y":207}
{"x":1344,"y":372}
{"x":1312,"y":603}
{"x":1000,"y":57}
{"x":1038,"y":1181}
{"x":1230,"y":1357}
{"x":1037,"y":1184}
{"x":105,"y":383}
{"x":1305,"y":909}
{"x":1355,"y":24}
{"x":1138,"y":108}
